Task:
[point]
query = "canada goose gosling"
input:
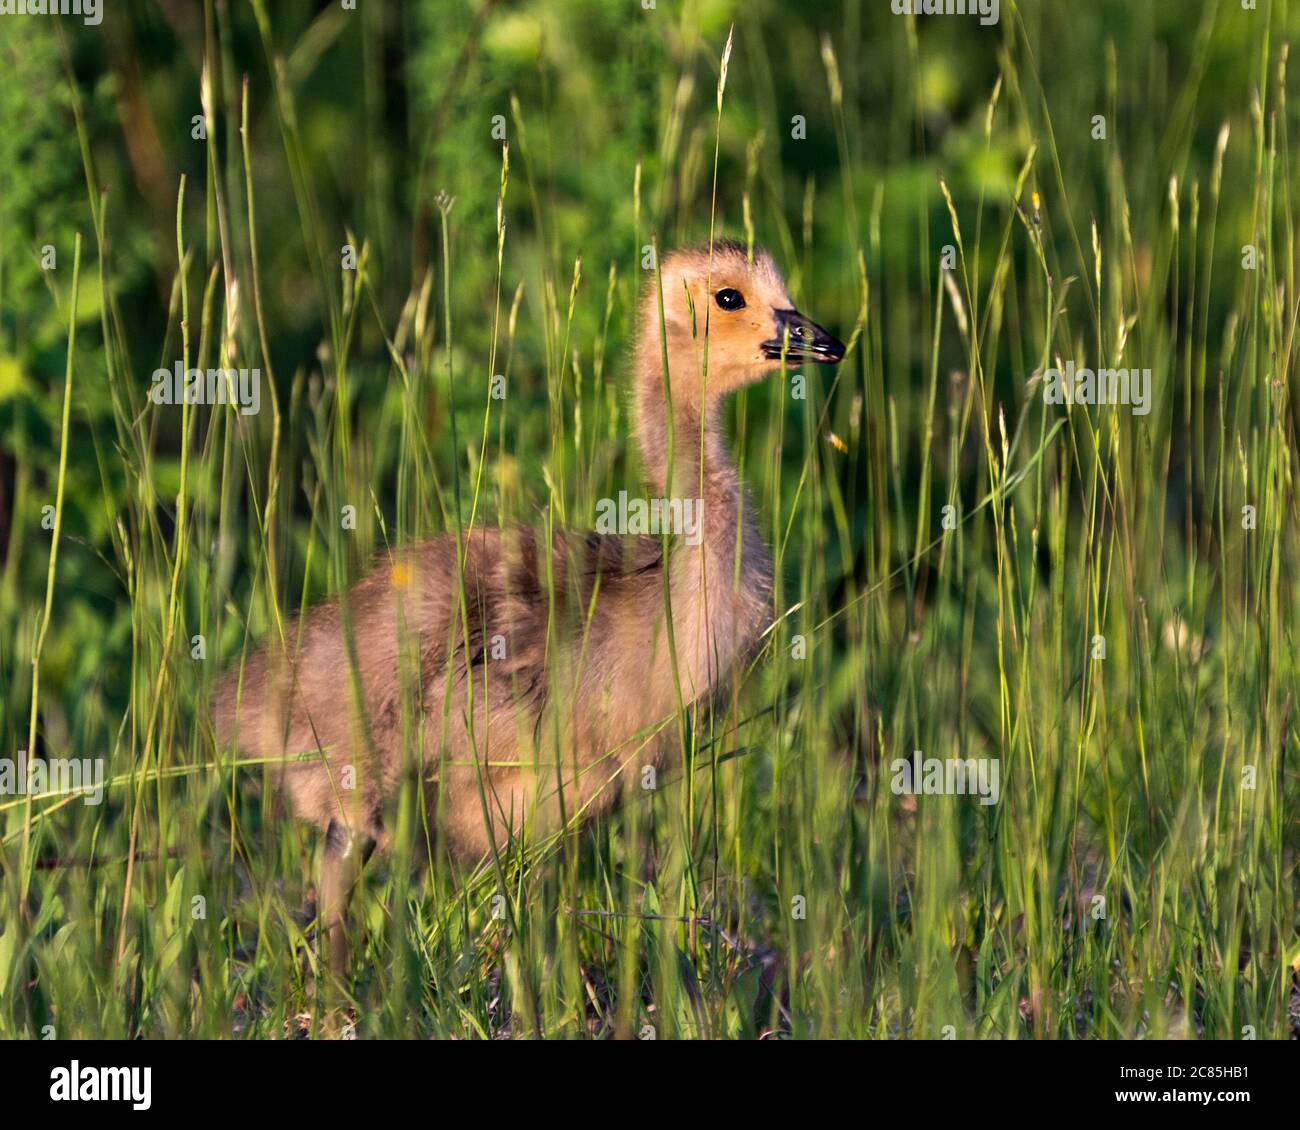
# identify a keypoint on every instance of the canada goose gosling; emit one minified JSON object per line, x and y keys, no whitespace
{"x":555,"y":677}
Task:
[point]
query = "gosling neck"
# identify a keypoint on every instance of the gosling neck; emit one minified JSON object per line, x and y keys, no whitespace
{"x":691,"y":438}
{"x":721,"y":583}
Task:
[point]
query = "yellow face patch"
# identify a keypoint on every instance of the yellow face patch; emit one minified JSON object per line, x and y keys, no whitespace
{"x":401,"y":576}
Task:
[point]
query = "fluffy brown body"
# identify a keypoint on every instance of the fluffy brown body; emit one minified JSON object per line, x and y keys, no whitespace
{"x":543,"y":684}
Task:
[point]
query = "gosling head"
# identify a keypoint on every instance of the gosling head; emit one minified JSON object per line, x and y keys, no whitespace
{"x":742,"y":306}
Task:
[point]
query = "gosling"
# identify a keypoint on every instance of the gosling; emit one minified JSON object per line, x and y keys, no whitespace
{"x":545,"y":681}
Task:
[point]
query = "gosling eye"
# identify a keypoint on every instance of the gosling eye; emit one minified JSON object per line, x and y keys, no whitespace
{"x":730,"y":299}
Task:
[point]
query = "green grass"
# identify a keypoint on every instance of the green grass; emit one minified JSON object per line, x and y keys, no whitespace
{"x":773,"y":883}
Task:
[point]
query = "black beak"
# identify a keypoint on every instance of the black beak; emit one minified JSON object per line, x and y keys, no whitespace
{"x":807,"y":340}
